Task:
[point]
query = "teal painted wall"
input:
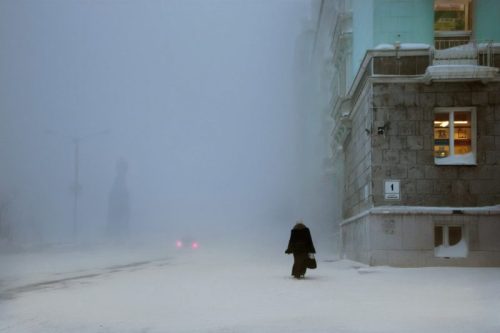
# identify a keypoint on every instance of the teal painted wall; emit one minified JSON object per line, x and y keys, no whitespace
{"x":412,"y":20}
{"x":362,"y":31}
{"x":486,"y":20}
{"x":381,"y":21}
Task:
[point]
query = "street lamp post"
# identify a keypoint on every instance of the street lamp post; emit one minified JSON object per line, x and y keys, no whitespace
{"x":76,"y":187}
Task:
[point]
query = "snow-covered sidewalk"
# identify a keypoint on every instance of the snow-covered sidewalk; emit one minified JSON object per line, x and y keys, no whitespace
{"x":241,"y":291}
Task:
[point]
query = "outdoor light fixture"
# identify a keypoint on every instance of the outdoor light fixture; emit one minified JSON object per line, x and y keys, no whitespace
{"x":382,"y":129}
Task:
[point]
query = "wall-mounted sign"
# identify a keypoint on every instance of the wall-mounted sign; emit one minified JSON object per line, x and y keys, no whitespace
{"x":391,"y":190}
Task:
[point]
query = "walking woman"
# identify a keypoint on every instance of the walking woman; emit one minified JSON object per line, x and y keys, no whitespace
{"x":300,"y":245}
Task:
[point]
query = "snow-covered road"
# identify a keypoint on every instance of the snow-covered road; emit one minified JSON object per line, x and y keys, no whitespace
{"x":221,"y":291}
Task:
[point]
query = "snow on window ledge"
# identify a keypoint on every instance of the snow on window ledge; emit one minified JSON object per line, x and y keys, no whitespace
{"x":458,"y":250}
{"x":465,"y":159}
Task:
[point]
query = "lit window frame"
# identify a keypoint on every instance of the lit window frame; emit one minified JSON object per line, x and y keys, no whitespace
{"x":451,"y":111}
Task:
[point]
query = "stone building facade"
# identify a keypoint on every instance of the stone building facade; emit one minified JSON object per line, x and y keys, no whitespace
{"x":416,"y":133}
{"x":392,"y":142}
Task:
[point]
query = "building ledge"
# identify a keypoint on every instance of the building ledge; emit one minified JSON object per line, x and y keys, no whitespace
{"x":417,"y":210}
{"x":422,"y":210}
{"x":462,"y":72}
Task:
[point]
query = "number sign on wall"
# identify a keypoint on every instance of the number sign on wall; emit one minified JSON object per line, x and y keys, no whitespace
{"x":391,"y":190}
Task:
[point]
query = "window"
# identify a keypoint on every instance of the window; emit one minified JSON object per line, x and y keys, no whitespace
{"x":452,"y":15}
{"x":452,"y":23}
{"x":449,"y":241}
{"x":455,"y":136}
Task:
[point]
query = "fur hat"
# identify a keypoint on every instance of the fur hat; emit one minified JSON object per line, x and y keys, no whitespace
{"x":300,"y":224}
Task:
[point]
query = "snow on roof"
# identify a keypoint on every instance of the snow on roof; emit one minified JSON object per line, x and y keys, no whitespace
{"x":483,"y":46}
{"x":403,"y":46}
{"x":460,"y":71}
{"x":414,"y":46}
{"x":384,"y":47}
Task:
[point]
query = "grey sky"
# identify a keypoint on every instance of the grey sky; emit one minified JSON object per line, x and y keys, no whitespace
{"x":197,"y":95}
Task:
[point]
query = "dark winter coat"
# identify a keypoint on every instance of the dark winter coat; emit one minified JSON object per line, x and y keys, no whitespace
{"x":300,"y":240}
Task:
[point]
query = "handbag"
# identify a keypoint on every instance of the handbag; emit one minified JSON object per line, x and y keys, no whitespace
{"x":311,"y":261}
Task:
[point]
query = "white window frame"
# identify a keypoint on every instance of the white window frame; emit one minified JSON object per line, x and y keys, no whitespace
{"x":451,"y":160}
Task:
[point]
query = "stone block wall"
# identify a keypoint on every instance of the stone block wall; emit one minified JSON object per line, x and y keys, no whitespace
{"x":358,"y":159}
{"x":405,"y":150}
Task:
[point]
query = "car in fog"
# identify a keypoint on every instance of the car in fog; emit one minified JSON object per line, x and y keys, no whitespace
{"x":187,"y":243}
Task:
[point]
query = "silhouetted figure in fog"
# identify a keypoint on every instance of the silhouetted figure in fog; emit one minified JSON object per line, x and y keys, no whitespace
{"x":300,"y":245}
{"x":119,"y":203}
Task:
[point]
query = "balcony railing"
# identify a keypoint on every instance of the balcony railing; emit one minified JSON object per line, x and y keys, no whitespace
{"x":447,"y":39}
{"x":465,"y":53}
{"x":414,"y":62}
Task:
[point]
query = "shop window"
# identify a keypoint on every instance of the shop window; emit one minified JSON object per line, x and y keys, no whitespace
{"x":455,"y":136}
{"x":452,"y":22}
{"x":449,"y":241}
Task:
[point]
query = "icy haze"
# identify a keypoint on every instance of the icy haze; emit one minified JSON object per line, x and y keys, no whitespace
{"x":193,"y":122}
{"x":199,"y":99}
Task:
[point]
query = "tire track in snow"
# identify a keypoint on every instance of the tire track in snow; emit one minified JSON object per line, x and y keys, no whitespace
{"x":11,"y":293}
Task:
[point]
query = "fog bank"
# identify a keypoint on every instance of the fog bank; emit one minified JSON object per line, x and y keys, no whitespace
{"x":200,"y":100}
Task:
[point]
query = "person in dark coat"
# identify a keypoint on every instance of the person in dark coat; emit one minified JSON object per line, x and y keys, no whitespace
{"x":300,"y":245}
